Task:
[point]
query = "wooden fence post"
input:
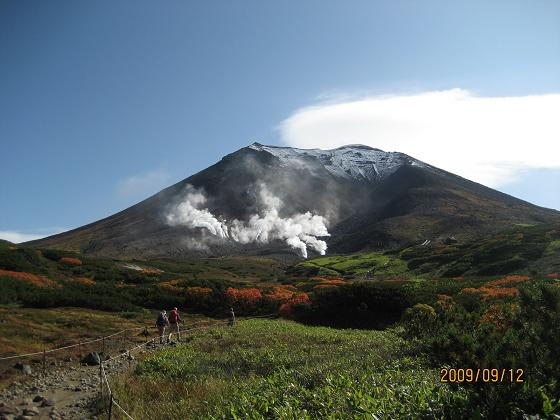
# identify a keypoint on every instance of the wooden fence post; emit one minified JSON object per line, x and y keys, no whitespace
{"x":101,"y":378}
{"x":110,"y":404}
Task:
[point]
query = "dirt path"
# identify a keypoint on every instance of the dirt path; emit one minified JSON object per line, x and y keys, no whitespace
{"x":62,"y":392}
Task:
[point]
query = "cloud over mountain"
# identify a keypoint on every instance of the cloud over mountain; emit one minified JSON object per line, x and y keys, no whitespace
{"x":486,"y":139}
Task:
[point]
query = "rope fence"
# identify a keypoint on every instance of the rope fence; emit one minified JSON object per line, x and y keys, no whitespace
{"x":106,"y":394}
{"x":80,"y":344}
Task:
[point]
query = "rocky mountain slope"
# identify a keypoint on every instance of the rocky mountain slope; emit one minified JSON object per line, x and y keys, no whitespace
{"x":287,"y":202}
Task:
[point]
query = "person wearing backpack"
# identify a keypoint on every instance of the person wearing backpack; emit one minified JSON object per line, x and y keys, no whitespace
{"x":174,"y":320}
{"x":161,"y":323}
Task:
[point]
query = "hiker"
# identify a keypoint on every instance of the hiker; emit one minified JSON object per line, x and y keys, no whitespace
{"x":231,"y":317}
{"x":161,"y":323}
{"x":174,"y":320}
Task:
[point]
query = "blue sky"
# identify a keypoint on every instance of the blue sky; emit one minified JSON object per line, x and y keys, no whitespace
{"x":103,"y":103}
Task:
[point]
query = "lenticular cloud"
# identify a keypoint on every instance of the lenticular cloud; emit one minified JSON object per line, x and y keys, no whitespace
{"x":300,"y":231}
{"x":491,"y":140}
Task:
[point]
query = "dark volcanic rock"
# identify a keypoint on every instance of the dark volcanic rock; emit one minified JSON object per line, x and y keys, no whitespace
{"x":91,"y":359}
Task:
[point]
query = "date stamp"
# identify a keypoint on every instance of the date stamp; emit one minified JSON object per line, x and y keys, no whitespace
{"x":469,"y":375}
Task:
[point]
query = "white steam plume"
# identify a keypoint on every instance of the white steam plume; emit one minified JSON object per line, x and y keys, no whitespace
{"x":299,"y":231}
{"x":187,"y":214}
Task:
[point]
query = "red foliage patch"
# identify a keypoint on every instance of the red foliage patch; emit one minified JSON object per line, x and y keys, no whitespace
{"x":287,"y":309}
{"x":492,"y":292}
{"x":34,"y":279}
{"x":243,"y":297}
{"x":324,"y":286}
{"x":280,"y":294}
{"x":508,"y":280}
{"x":553,"y":276}
{"x":70,"y":261}
{"x":497,"y":315}
{"x":83,"y":280}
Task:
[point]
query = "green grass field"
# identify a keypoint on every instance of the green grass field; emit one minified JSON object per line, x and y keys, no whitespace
{"x":281,"y":369}
{"x":355,"y":265}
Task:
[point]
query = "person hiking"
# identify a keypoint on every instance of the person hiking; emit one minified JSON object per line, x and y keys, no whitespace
{"x":161,"y":323}
{"x":174,"y":320}
{"x":231,"y":317}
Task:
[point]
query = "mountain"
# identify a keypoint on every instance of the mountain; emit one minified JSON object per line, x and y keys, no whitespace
{"x":274,"y":200}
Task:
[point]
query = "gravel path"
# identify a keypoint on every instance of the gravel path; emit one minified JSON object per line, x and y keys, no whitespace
{"x":63,"y":391}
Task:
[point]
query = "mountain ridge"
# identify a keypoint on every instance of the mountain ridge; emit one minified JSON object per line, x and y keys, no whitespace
{"x":368,"y":199}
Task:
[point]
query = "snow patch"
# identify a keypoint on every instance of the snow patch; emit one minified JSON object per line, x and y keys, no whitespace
{"x":358,"y":162}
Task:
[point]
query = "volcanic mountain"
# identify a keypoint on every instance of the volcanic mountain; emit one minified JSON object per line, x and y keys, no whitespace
{"x":271,"y":200}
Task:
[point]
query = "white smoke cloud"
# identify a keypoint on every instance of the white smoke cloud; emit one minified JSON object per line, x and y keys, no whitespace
{"x":187,"y":213}
{"x":299,"y":231}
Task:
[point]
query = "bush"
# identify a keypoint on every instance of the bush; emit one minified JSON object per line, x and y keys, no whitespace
{"x":419,"y":320}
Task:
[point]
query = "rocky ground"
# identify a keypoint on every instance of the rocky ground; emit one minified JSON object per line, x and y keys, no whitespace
{"x":63,"y":391}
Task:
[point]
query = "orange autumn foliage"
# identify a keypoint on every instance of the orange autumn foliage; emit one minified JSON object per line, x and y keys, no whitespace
{"x":553,"y":276}
{"x":33,"y":279}
{"x":508,"y":280}
{"x":329,"y":280}
{"x":280,"y":294}
{"x":243,"y":297}
{"x":287,"y":309}
{"x":444,"y":301}
{"x":497,"y":316}
{"x":70,"y":261}
{"x":171,"y":286}
{"x":83,"y":280}
{"x":492,"y":292}
{"x":323,"y":286}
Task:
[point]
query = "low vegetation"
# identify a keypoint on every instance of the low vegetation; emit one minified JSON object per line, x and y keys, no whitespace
{"x":280,"y":369}
{"x":491,"y":304}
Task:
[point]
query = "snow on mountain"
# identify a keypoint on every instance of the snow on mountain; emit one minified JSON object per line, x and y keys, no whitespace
{"x":353,"y":161}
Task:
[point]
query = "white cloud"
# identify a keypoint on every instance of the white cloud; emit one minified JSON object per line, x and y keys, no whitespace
{"x":487,"y":139}
{"x":19,"y":236}
{"x":142,"y":185}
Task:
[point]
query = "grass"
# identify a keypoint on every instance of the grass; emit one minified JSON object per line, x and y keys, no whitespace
{"x":280,"y":369}
{"x":29,"y":329}
{"x":355,"y":264}
{"x":553,"y":248}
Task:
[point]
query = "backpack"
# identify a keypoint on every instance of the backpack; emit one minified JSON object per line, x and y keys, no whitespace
{"x":173,"y":317}
{"x":161,"y":320}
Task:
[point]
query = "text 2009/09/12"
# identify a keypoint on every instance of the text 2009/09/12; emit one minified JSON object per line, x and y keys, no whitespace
{"x":481,"y":375}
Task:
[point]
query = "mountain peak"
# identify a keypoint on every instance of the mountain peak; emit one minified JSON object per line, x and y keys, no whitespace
{"x":352,"y":161}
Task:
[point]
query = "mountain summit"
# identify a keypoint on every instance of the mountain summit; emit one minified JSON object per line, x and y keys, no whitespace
{"x":272,"y":200}
{"x":353,"y":161}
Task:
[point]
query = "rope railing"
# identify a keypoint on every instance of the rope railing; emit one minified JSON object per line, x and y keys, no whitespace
{"x":103,"y":377}
{"x":81,"y":343}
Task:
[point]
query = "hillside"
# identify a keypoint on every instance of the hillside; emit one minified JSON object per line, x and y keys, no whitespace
{"x":528,"y":250}
{"x":285,"y":202}
{"x":491,"y":304}
{"x":53,"y":278}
